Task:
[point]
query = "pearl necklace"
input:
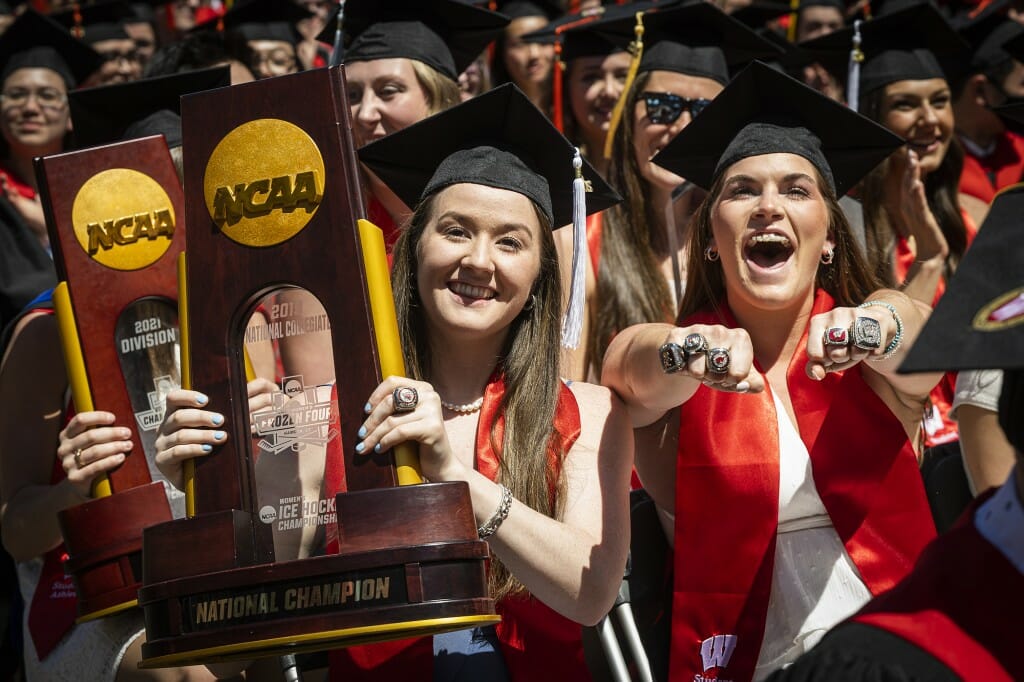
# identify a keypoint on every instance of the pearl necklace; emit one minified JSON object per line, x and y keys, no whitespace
{"x":465,"y":408}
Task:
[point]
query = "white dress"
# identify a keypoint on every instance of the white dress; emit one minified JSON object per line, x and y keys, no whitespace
{"x":814,"y":584}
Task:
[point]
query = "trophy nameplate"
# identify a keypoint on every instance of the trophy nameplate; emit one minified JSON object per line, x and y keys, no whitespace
{"x":114,"y":214}
{"x":293,"y":541}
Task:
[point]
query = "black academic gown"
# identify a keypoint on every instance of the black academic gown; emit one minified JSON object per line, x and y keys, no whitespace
{"x":26,"y":270}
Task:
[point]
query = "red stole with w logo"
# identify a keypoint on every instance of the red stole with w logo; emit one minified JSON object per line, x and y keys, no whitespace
{"x":727,"y":496}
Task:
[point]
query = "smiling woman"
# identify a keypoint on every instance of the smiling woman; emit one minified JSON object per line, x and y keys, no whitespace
{"x":734,"y":441}
{"x":478,"y":301}
{"x":40,"y":63}
{"x":915,"y":229}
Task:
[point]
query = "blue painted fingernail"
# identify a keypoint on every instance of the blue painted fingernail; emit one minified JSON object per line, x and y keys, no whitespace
{"x":360,"y":446}
{"x":376,"y":448}
{"x":202,"y":399}
{"x":207,"y":447}
{"x":367,"y":408}
{"x":217,"y":419}
{"x":362,"y":432}
{"x":219,"y":435}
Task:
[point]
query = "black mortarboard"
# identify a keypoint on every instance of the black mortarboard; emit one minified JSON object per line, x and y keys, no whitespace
{"x":498,"y":139}
{"x":105,"y":114}
{"x":517,"y":9}
{"x":602,"y":32}
{"x":97,"y":22}
{"x":763,"y":111}
{"x":37,"y":41}
{"x":699,"y":39}
{"x":979,"y":321}
{"x":260,"y":20}
{"x":987,"y":32}
{"x":760,"y":12}
{"x":899,"y":45}
{"x":447,"y":35}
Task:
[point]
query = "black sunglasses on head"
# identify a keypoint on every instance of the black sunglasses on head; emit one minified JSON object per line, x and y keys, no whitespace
{"x":665,"y":108}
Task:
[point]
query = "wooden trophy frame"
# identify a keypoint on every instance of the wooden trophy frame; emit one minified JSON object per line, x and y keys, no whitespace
{"x":114,"y":215}
{"x":274,"y":200}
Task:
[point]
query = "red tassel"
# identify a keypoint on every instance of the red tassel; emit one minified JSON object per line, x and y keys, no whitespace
{"x":557,"y":87}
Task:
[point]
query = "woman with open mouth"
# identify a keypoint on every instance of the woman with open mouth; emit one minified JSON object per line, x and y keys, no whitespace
{"x":915,"y":230}
{"x":637,"y":253}
{"x":773,"y":432}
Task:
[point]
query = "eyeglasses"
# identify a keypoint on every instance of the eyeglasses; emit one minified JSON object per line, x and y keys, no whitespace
{"x":131,"y":56}
{"x":46,"y":98}
{"x":665,"y":108}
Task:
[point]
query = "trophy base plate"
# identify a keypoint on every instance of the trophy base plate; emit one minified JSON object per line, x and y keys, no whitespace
{"x":318,"y":641}
{"x":410,"y":564}
{"x":109,"y":611}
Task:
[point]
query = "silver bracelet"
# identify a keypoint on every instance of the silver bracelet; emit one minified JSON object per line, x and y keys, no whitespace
{"x":491,"y":527}
{"x":897,"y":338}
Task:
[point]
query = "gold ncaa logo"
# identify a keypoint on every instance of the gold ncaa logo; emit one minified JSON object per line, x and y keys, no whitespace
{"x":123,"y":219}
{"x":263,"y":182}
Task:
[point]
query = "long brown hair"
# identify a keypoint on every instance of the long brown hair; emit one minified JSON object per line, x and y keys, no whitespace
{"x":848,"y":279}
{"x":941,"y":188}
{"x":530,"y":371}
{"x":630,"y":286}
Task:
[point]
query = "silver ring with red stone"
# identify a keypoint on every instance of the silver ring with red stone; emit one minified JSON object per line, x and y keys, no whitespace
{"x":405,"y":399}
{"x":836,"y":336}
{"x":718,"y":360}
{"x":695,"y":343}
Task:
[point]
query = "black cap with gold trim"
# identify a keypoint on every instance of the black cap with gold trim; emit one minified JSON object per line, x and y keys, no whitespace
{"x":979,"y":322}
{"x":36,"y":41}
{"x":763,"y":111}
{"x":444,"y":34}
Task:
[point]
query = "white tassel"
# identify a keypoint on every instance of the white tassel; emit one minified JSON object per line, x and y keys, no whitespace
{"x":853,"y":74}
{"x":572,"y":326}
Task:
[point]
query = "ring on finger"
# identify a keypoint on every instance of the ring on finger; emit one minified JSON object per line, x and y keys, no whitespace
{"x":695,"y":343}
{"x":836,"y":336}
{"x":673,"y":357}
{"x":718,"y":360}
{"x":78,"y":458}
{"x":867,"y":333}
{"x":405,"y":399}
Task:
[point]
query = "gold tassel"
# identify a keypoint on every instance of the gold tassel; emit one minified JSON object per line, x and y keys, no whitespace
{"x":794,"y":13}
{"x":636,"y":48}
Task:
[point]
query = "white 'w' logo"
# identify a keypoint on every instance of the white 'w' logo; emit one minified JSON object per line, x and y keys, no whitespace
{"x":715,"y":651}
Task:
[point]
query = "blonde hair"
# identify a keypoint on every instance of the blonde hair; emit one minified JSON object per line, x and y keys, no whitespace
{"x":442,"y":92}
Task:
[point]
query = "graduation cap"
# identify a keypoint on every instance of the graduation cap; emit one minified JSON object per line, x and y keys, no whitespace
{"x":986,"y":32}
{"x":517,"y":9}
{"x":695,"y":39}
{"x":498,"y":139}
{"x":97,"y":22}
{"x":34,"y":40}
{"x":979,"y":322}
{"x":135,"y":109}
{"x":798,"y":5}
{"x":905,"y":44}
{"x":763,"y":111}
{"x":260,"y":20}
{"x":444,"y":34}
{"x":760,"y":12}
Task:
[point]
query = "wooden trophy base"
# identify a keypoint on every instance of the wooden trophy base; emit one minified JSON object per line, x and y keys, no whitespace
{"x":103,"y":538}
{"x":410,"y":565}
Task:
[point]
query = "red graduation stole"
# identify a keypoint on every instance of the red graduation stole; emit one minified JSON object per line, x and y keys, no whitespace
{"x":727,"y":495}
{"x":595,"y":226}
{"x":537,"y":642}
{"x":962,"y":604}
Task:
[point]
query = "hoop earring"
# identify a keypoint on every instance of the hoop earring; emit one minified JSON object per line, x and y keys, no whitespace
{"x":710,"y":254}
{"x":530,"y":303}
{"x":828,"y":257}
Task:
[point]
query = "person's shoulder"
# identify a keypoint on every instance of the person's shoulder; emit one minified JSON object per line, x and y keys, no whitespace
{"x":600,"y":409}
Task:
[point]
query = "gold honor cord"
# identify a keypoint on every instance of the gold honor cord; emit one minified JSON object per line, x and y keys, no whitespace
{"x":75,"y":364}
{"x":185,"y":362}
{"x":385,"y":325}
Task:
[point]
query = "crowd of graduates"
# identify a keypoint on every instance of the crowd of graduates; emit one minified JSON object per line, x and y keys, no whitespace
{"x":735,"y":322}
